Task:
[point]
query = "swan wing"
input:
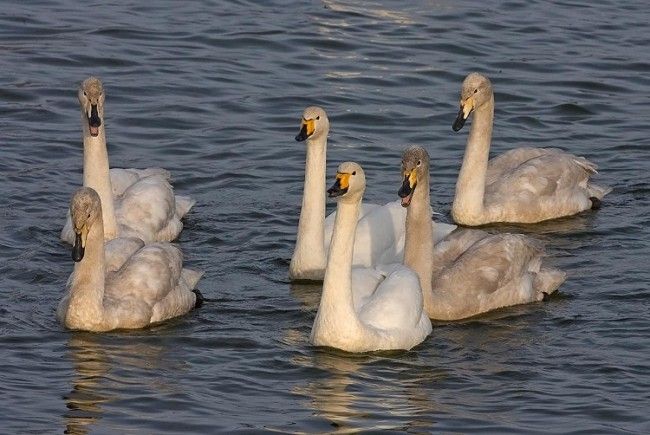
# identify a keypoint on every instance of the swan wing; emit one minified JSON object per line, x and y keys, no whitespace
{"x":495,"y":271}
{"x":147,"y":208}
{"x":119,"y":250}
{"x":552,"y":182}
{"x":396,"y":303}
{"x":123,"y":178}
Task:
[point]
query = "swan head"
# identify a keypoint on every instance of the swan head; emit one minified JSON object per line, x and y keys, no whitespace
{"x":476,"y":91}
{"x":314,"y":124}
{"x":91,"y":98}
{"x":85,"y":210}
{"x":349,"y":184}
{"x":415,"y":166}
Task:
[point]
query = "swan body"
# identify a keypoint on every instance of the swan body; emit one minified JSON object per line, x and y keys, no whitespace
{"x":380,"y":231}
{"x":524,"y":185}
{"x":470,"y":271}
{"x":365,"y":309}
{"x":136,"y":202}
{"x":139,"y":284}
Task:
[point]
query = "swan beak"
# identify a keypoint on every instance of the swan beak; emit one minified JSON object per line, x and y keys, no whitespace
{"x":466,"y":108}
{"x":306,"y":129}
{"x":408,"y":187}
{"x":94,"y":121}
{"x":79,"y":247}
{"x":340,"y":186}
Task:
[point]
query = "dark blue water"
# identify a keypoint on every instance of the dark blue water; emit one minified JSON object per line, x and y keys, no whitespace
{"x":214,"y":91}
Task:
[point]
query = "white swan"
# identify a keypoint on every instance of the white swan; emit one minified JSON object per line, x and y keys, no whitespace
{"x":136,"y":203}
{"x":380,"y":231}
{"x":524,"y":185}
{"x":470,"y":271}
{"x":147,"y":284}
{"x":370,"y":309}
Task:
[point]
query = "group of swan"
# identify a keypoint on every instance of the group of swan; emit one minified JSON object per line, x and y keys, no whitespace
{"x":127,"y":274}
{"x":383,"y":282}
{"x":386,"y":269}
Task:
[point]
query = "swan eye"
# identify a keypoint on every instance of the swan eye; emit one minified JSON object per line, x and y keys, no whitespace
{"x":354,"y":172}
{"x":317,"y":118}
{"x":419,"y":162}
{"x":475,"y":90}
{"x":85,"y":95}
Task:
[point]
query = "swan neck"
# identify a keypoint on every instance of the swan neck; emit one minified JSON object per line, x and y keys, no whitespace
{"x":310,"y":250}
{"x":470,"y":187}
{"x":418,"y":243}
{"x":86,"y":307}
{"x":336,"y":310}
{"x":97,"y":176}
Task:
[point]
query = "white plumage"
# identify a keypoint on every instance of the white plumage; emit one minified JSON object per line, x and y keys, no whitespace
{"x":136,"y":202}
{"x":124,"y":285}
{"x":365,"y":309}
{"x":524,"y":185}
{"x":380,"y":231}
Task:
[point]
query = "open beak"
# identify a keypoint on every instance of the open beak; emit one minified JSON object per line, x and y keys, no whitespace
{"x":408,"y":187}
{"x":466,"y":108}
{"x":340,"y":186}
{"x":306,"y":130}
{"x":79,"y":246}
{"x":94,"y":121}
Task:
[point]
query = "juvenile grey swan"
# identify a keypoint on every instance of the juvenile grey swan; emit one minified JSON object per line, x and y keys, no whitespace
{"x":136,"y":202}
{"x":380,"y":231}
{"x":523,"y":185}
{"x":145,"y":286}
{"x":364,"y":310}
{"x":470,"y":271}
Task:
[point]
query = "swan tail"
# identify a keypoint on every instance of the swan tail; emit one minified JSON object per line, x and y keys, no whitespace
{"x":585,"y":164}
{"x":191,"y":277}
{"x":596,"y":191}
{"x":183,"y":205}
{"x":547,"y":281}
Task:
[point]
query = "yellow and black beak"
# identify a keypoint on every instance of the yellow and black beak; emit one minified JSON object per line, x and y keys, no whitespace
{"x":79,"y":246}
{"x":466,"y":108}
{"x":306,"y":129}
{"x":408,"y":187}
{"x":340,"y":186}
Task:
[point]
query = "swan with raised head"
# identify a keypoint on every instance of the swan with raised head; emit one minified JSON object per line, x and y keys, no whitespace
{"x":380,"y":231}
{"x":470,"y":271}
{"x":146,"y":284}
{"x":523,"y":185}
{"x":136,"y":202}
{"x":364,"y":309}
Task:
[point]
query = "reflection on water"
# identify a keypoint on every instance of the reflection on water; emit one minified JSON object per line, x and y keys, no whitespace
{"x":104,"y":372}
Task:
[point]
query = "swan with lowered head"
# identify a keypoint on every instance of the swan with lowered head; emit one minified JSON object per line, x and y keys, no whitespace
{"x":144,"y":286}
{"x":135,"y":203}
{"x":380,"y":231}
{"x":470,"y":271}
{"x":364,"y":310}
{"x":523,"y":185}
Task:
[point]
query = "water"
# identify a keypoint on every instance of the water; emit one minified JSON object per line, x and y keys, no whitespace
{"x":213,"y":91}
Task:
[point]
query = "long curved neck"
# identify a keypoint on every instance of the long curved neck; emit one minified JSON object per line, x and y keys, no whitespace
{"x":97,"y":176}
{"x":86,"y":307}
{"x":310,"y":250}
{"x":470,"y":187}
{"x":336,"y":316}
{"x":418,"y":244}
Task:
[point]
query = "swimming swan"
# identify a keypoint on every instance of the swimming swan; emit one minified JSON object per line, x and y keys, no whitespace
{"x":380,"y":231}
{"x":524,"y":185}
{"x":364,"y":310}
{"x":470,"y":271}
{"x":147,"y":284}
{"x":136,"y":203}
